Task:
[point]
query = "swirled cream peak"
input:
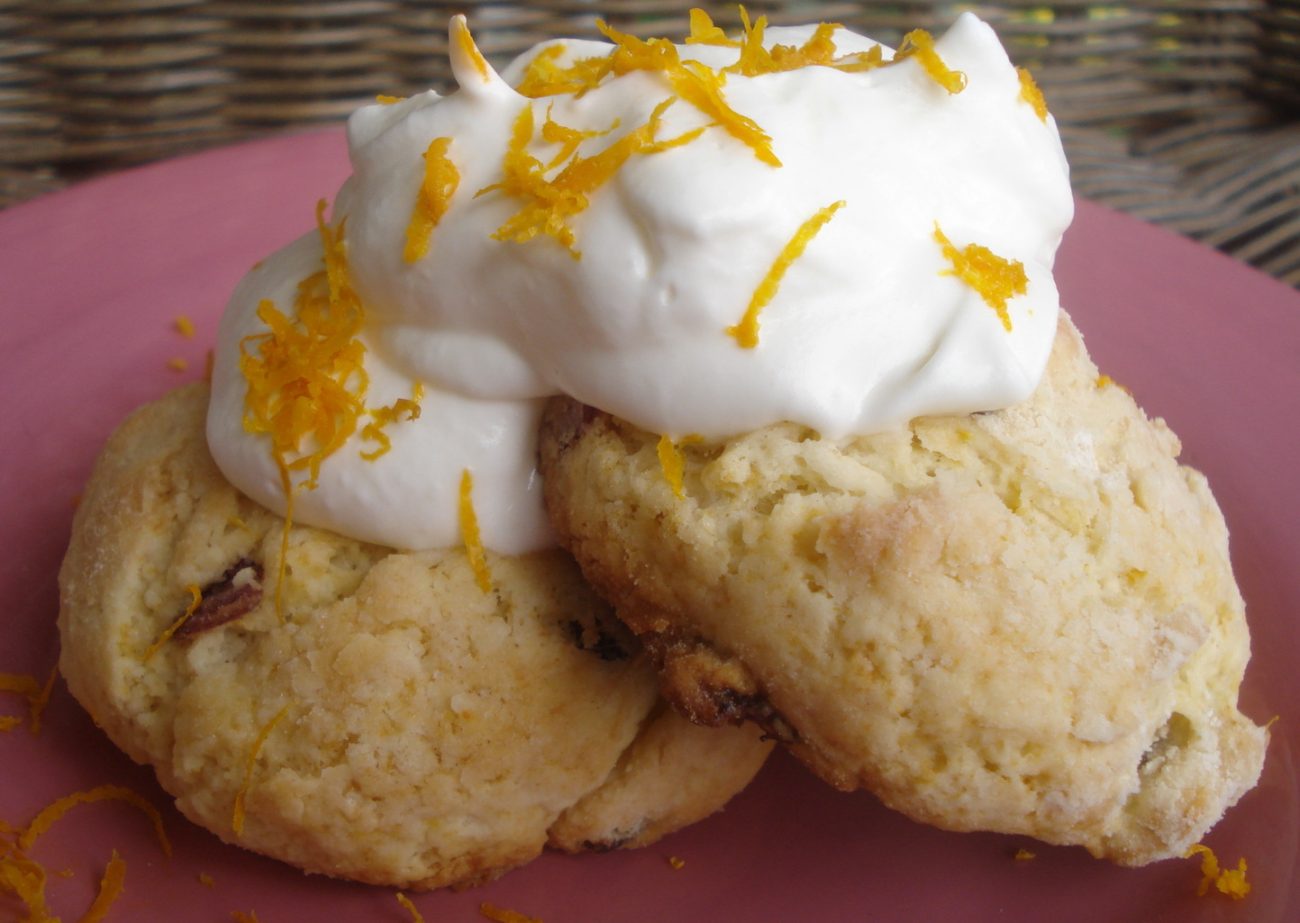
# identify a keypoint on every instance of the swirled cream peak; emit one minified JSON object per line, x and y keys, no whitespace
{"x":795,"y":224}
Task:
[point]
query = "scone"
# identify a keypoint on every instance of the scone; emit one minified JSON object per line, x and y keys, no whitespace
{"x":1021,"y":621}
{"x":396,"y":724}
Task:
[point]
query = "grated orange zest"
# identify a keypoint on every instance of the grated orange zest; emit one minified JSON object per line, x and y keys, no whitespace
{"x":470,"y":533}
{"x":754,"y":58}
{"x":545,"y":77}
{"x":386,"y":100}
{"x":416,"y":916}
{"x":994,"y":278}
{"x":920,"y":44}
{"x":704,"y":32}
{"x":676,"y":863}
{"x":1031,"y":94}
{"x":463,"y":38}
{"x":184,"y":326}
{"x":238,"y":916}
{"x":196,"y":597}
{"x":306,"y":378}
{"x":250,"y":764}
{"x":177,"y":364}
{"x":1025,"y":855}
{"x":745,"y":333}
{"x":502,"y":915}
{"x":673,"y":463}
{"x":36,"y":706}
{"x":56,"y":809}
{"x":568,"y":138}
{"x":23,"y":684}
{"x":549,"y":204}
{"x":25,"y":879}
{"x":206,"y":880}
{"x":401,"y":409}
{"x":696,"y":83}
{"x":1231,"y":882}
{"x":433,"y":199}
{"x":9,"y":722}
{"x":110,"y":888}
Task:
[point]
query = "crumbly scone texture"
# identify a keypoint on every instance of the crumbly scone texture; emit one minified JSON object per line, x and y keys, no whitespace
{"x":1023,"y":620}
{"x":416,"y":731}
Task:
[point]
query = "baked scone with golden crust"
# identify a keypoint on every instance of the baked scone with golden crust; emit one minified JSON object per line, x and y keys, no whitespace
{"x":1020,"y":621}
{"x":396,"y":724}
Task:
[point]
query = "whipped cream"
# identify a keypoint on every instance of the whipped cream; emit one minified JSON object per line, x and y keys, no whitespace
{"x":866,"y":330}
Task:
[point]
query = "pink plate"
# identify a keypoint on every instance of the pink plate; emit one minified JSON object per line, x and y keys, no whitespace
{"x":91,"y":281}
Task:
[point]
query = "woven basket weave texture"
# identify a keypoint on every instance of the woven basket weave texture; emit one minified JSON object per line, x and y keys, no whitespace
{"x":1182,"y":112}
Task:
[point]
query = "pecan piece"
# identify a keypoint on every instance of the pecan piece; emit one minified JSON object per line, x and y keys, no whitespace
{"x":236,"y":593}
{"x":596,"y":640}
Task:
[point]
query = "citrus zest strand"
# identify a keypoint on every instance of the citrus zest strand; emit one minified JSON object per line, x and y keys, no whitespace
{"x":110,"y":888}
{"x":1031,"y":94}
{"x":469,"y":532}
{"x":433,"y":199}
{"x":502,"y":915}
{"x":704,"y":32}
{"x":56,"y":809}
{"x":745,"y":333}
{"x":673,"y":463}
{"x":196,"y":598}
{"x":463,"y":38}
{"x":920,"y":44}
{"x":994,"y":278}
{"x":1231,"y":882}
{"x":416,"y":916}
{"x":250,"y":764}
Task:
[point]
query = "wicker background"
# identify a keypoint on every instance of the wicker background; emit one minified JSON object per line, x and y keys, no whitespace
{"x":1183,"y":112}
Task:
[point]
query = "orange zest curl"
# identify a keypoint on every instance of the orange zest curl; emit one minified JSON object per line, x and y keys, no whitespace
{"x":502,"y":915}
{"x":920,"y":44}
{"x":196,"y":597}
{"x":698,"y":85}
{"x":994,"y":278}
{"x":25,"y":879}
{"x":432,"y":201}
{"x":470,"y":533}
{"x":1231,"y":882}
{"x":416,"y":916}
{"x":385,"y":100}
{"x":704,"y":32}
{"x":401,"y":409}
{"x":56,"y":809}
{"x":549,"y":204}
{"x":673,"y":465}
{"x":745,"y":333}
{"x":818,"y":50}
{"x":306,"y":377}
{"x":545,"y":77}
{"x":250,"y":764}
{"x":568,"y":138}
{"x":1031,"y":94}
{"x":461,"y":35}
{"x":110,"y":888}
{"x":36,"y":694}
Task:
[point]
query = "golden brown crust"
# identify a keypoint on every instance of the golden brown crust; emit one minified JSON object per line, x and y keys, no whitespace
{"x":1022,"y":620}
{"x":431,"y":734}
